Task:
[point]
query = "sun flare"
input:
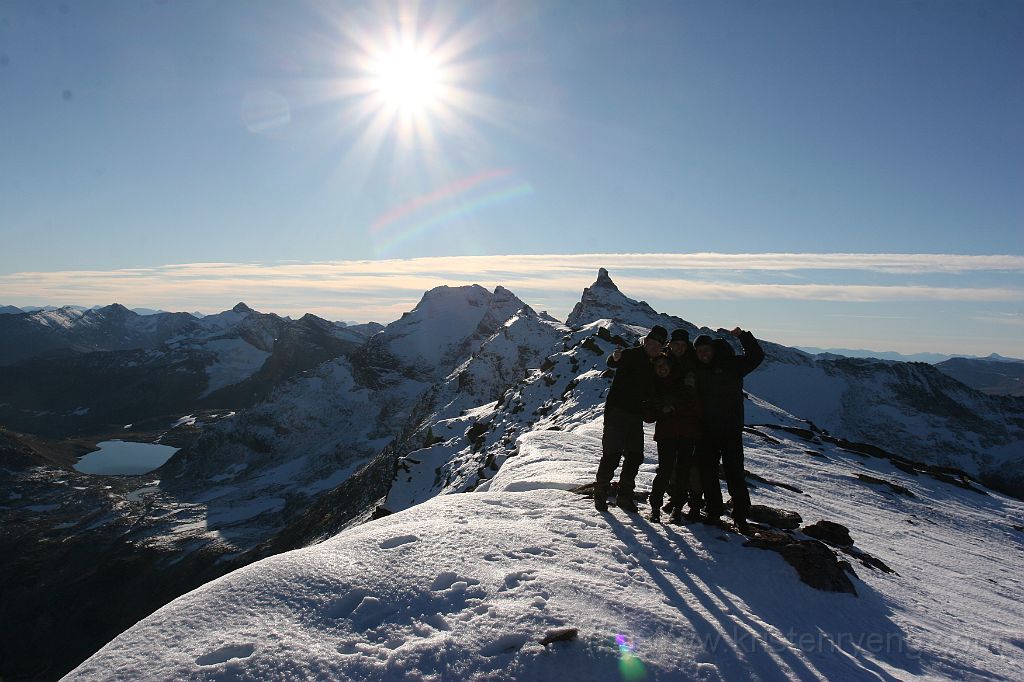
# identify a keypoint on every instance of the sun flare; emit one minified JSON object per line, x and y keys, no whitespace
{"x":408,"y":79}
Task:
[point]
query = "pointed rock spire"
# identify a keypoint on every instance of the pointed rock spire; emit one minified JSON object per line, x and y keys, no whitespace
{"x":242,"y":308}
{"x":604,"y":280}
{"x":599,"y":300}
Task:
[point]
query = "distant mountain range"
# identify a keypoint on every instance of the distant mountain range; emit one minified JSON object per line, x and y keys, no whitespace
{"x":993,"y":375}
{"x":73,"y":371}
{"x":931,"y":358}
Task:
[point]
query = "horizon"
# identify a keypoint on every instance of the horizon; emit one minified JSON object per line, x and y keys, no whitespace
{"x":560,"y":302}
{"x":827,"y":174}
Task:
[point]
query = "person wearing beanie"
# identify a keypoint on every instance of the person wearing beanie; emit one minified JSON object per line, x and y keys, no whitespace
{"x":623,"y":436}
{"x":720,"y":375}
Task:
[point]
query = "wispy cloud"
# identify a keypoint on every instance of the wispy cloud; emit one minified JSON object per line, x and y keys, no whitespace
{"x":382,"y":289}
{"x":1015,"y":319}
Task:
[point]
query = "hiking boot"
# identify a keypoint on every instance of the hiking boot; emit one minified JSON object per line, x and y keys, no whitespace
{"x":693,"y":515}
{"x":655,"y":515}
{"x":742,"y":526}
{"x":626,"y":504}
{"x":715,"y":521}
{"x":601,"y":497}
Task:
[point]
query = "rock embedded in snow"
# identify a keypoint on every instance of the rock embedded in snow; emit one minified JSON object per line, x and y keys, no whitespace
{"x":829,"y":532}
{"x":814,"y":562}
{"x":894,"y":487}
{"x":780,"y":518}
{"x":559,"y":635}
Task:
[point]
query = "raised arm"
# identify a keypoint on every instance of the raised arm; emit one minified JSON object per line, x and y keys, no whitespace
{"x":753,"y":354}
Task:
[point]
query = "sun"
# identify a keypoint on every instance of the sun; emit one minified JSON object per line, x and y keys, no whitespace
{"x":414,"y":82}
{"x":407,"y":79}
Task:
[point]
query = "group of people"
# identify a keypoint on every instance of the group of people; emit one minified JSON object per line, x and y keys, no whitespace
{"x":694,"y":395}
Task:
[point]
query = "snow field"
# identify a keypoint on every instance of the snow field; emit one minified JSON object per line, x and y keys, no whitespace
{"x":463,"y":587}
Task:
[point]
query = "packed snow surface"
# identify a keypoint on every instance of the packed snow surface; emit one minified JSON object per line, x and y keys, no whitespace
{"x":463,"y":587}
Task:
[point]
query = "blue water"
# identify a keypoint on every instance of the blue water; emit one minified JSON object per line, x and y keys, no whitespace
{"x":124,"y":457}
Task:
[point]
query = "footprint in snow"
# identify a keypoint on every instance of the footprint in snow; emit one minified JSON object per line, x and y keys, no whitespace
{"x":398,"y":541}
{"x":448,"y":580}
{"x":516,"y":578}
{"x":504,"y":645}
{"x":226,"y":653}
{"x":346,"y":605}
{"x":537,"y":551}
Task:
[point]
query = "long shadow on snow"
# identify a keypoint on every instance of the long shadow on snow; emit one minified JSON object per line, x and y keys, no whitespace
{"x":826,"y":635}
{"x":736,"y":643}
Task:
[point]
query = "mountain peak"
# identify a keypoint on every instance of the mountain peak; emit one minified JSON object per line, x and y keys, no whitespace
{"x":600,"y":300}
{"x":604,"y":280}
{"x":242,"y":308}
{"x":114,"y":309}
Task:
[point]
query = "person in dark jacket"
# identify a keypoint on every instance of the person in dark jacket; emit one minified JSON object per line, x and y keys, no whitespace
{"x":623,"y":436}
{"x":676,"y":414}
{"x":720,"y":375}
{"x":685,"y":484}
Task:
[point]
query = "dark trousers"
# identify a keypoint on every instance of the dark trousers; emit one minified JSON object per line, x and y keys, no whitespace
{"x":675,"y":457}
{"x":725,"y":446}
{"x":623,"y":438}
{"x":685,"y":486}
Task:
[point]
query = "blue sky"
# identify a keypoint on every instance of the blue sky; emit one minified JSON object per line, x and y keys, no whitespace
{"x":137,"y":135}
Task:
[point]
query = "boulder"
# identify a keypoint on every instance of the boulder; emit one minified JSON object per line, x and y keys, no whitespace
{"x":814,"y":562}
{"x":779,"y":518}
{"x":829,"y":532}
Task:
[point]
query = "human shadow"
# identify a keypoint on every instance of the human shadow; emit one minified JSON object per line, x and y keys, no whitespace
{"x":768,"y":619}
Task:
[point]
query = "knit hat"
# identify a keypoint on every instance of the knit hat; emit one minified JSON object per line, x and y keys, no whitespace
{"x":703,"y":340}
{"x":659,"y":334}
{"x":680,"y":335}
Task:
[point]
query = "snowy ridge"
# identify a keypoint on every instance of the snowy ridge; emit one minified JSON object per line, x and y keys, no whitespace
{"x":422,"y":338}
{"x":465,"y":586}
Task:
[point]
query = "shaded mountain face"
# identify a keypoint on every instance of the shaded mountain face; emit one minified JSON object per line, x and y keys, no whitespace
{"x":89,"y":384}
{"x":909,"y":408}
{"x":70,"y":330}
{"x":994,"y":376}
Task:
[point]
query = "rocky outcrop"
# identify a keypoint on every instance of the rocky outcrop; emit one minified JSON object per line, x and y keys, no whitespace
{"x":814,"y":562}
{"x":779,"y":518}
{"x":829,"y":532}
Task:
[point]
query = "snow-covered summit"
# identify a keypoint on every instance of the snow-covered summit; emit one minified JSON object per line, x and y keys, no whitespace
{"x":446,"y":326}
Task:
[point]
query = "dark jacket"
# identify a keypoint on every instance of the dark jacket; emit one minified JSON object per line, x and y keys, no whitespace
{"x":720,"y":383}
{"x":674,"y":407}
{"x":633,"y":384}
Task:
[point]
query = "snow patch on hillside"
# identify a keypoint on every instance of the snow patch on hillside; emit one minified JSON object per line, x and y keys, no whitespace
{"x":235,"y":360}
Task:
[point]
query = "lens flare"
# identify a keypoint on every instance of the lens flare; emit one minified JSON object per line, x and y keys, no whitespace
{"x":630,"y":666}
{"x":449,"y":204}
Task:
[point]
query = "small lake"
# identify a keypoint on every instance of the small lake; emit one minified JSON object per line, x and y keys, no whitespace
{"x":120,"y":457}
